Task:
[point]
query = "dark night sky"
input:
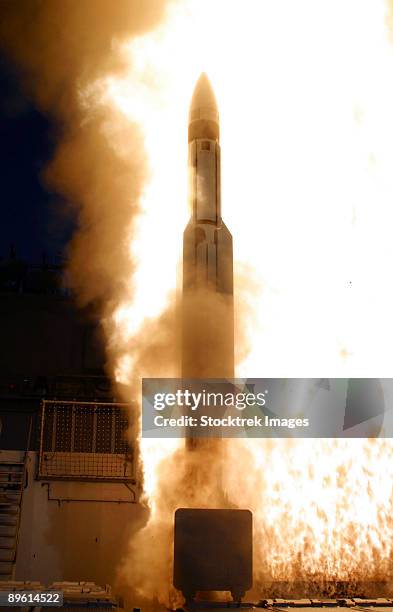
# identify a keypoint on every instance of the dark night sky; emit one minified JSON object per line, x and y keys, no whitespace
{"x":31,"y":218}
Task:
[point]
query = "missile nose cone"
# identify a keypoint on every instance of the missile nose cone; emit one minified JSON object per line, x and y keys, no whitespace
{"x":203,"y":100}
{"x":203,"y":121}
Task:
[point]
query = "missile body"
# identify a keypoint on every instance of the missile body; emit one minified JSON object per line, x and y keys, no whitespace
{"x":208,"y":334}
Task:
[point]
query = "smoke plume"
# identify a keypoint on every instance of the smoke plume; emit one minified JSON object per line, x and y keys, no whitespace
{"x":61,"y":50}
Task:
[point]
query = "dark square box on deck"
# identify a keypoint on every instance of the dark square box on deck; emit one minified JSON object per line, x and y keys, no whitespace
{"x":213,"y":551}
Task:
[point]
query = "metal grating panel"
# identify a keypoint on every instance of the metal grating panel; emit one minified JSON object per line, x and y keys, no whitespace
{"x":84,"y":441}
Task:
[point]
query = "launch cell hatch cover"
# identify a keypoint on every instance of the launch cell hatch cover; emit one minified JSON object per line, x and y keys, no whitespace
{"x":213,"y":551}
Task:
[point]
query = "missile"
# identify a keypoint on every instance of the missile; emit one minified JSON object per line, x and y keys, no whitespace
{"x":208,"y":324}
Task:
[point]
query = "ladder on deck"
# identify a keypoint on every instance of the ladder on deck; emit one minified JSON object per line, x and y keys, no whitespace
{"x":12,"y":479}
